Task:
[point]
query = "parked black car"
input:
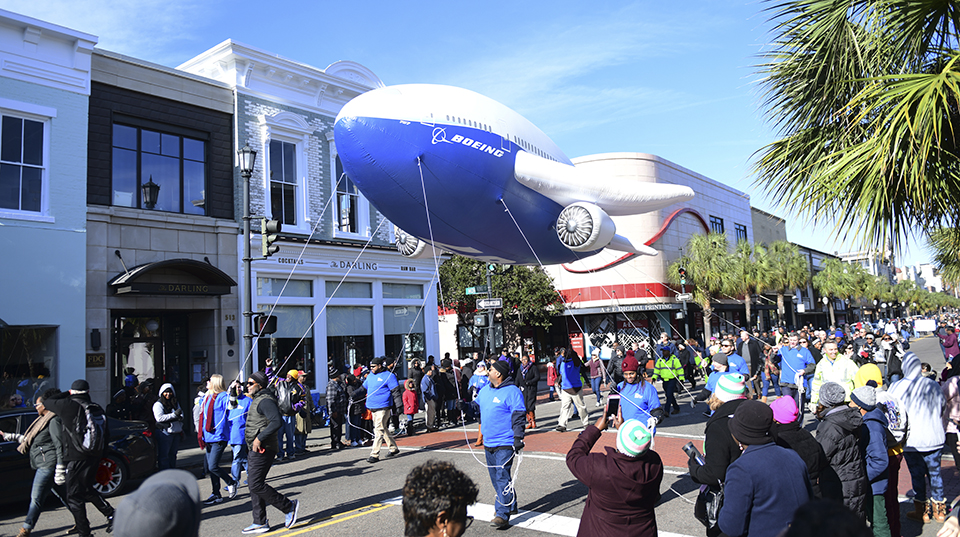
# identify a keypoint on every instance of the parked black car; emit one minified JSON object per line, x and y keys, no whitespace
{"x":131,"y":454}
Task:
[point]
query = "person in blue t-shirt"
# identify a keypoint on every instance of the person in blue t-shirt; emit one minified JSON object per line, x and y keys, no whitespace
{"x":503,"y":415}
{"x":638,"y":397}
{"x":571,"y":389}
{"x":735,"y":362}
{"x":795,"y":362}
{"x":381,"y":385}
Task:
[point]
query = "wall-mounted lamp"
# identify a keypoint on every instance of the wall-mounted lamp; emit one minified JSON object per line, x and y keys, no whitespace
{"x":95,"y":339}
{"x":231,"y":335}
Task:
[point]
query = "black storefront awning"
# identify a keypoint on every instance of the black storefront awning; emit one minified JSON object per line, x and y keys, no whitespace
{"x":173,"y":277}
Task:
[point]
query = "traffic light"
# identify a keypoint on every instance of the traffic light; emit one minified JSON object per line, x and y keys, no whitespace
{"x":268,"y":235}
{"x":266,"y":324}
{"x":683,"y":275}
{"x":491,"y":267}
{"x":480,"y":320}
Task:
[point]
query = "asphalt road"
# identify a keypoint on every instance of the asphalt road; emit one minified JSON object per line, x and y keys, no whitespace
{"x":340,"y":492}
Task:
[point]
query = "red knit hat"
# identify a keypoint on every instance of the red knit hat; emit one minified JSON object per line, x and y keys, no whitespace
{"x":630,"y":363}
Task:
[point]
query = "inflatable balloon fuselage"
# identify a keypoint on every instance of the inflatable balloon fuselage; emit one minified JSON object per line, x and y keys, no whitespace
{"x":467,"y":174}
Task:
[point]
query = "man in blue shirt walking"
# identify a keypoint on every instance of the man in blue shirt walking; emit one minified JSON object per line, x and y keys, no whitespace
{"x":380,"y":385}
{"x":503,"y":415}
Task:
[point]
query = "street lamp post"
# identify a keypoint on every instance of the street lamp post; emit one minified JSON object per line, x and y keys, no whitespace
{"x":248,"y":157}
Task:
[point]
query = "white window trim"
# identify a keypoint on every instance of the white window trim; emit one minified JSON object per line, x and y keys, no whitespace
{"x":45,"y":115}
{"x":291,"y":128}
{"x":363,"y":206}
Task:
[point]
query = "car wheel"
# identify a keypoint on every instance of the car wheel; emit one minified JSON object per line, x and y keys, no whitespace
{"x":111,"y":477}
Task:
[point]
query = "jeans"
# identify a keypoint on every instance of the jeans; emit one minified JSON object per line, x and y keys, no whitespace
{"x":80,"y":478}
{"x":353,"y":429}
{"x":670,"y":386}
{"x":258,"y":464}
{"x":775,"y":381}
{"x":167,"y":446}
{"x":239,"y":461}
{"x":793,"y":392}
{"x":550,"y":390}
{"x":300,"y":440}
{"x":42,"y":485}
{"x":380,"y":432}
{"x":893,"y":378}
{"x":214,"y":454}
{"x":923,"y":464}
{"x":499,"y":464}
{"x":595,"y":384}
{"x":286,"y":430}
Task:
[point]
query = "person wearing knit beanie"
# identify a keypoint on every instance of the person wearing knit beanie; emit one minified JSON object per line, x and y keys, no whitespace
{"x":832,"y":394}
{"x":639,"y":399}
{"x":784,"y":410}
{"x":730,"y":387}
{"x":621,"y":481}
{"x":865,"y":397}
{"x":866,"y":373}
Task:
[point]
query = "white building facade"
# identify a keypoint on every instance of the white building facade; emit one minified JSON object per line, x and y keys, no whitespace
{"x":44,"y":96}
{"x":341,"y":292}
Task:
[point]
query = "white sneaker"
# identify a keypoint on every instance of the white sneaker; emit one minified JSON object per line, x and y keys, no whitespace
{"x":232,"y":491}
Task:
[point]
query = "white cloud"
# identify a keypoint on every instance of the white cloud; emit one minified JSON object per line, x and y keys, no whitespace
{"x":155,"y":30}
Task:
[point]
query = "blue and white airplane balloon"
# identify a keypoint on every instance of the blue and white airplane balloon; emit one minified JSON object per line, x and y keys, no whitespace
{"x":451,"y":166}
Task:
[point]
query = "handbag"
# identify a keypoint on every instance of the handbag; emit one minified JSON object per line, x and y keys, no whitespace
{"x":707,"y":508}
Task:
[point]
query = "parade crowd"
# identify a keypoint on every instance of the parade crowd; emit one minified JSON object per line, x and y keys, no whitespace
{"x":877,"y":406}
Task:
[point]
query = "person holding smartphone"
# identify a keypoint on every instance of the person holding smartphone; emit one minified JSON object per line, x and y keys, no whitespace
{"x":638,"y":397}
{"x":624,"y":483}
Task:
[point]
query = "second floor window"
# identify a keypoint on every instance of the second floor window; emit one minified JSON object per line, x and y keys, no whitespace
{"x":348,"y":203}
{"x":741,"y":231}
{"x":716,"y":224}
{"x":177,"y":164}
{"x":283,"y":181}
{"x":21,"y":164}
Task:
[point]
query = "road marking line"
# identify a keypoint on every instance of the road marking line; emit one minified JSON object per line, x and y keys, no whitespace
{"x":340,"y":517}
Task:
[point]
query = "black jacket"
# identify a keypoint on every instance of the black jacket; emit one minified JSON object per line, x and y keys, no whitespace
{"x":756,"y":355}
{"x":839,"y":434}
{"x":823,"y":479}
{"x":529,"y":384}
{"x":68,"y":409}
{"x":720,"y":449}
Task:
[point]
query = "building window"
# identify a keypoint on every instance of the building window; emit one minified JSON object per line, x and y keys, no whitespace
{"x":351,"y":213}
{"x":283,"y":181}
{"x":716,"y":224}
{"x":22,"y":167}
{"x":177,"y":164}
{"x":741,"y":231}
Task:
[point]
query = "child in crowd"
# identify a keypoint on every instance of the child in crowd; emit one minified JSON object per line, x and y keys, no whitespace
{"x":410,"y":406}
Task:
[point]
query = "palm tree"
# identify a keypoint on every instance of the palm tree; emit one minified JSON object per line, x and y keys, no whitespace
{"x":787,"y":270}
{"x":833,"y":281}
{"x":945,"y":243}
{"x":708,"y":265}
{"x":864,"y":94}
{"x":749,"y":274}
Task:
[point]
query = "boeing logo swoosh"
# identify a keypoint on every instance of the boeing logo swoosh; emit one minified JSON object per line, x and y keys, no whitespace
{"x":440,"y":135}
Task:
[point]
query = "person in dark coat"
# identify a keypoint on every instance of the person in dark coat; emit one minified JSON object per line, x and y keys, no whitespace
{"x":873,"y":442}
{"x":623,"y":483}
{"x":839,"y":435}
{"x":754,"y":504}
{"x":787,"y":433}
{"x":720,"y":449}
{"x":528,"y":379}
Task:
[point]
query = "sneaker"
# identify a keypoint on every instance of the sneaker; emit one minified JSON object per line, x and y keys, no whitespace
{"x":293,"y":457}
{"x":372,"y":459}
{"x":72,"y":531}
{"x":559,"y":429}
{"x":110,"y":523}
{"x":499,"y":523}
{"x":393,"y":453}
{"x":213,"y":500}
{"x":291,"y":518}
{"x":232,"y":491}
{"x":253,"y":529}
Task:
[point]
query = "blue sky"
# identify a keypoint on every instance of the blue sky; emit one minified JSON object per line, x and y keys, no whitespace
{"x":675,"y":79}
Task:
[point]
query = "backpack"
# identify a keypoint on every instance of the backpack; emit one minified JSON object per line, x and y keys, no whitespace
{"x":287,"y":396}
{"x":897,"y":427}
{"x":89,"y":436}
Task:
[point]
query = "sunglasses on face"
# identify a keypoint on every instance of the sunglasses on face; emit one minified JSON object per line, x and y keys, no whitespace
{"x":250,"y":383}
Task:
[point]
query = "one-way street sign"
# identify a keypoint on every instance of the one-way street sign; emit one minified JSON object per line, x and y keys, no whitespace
{"x":489,"y":303}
